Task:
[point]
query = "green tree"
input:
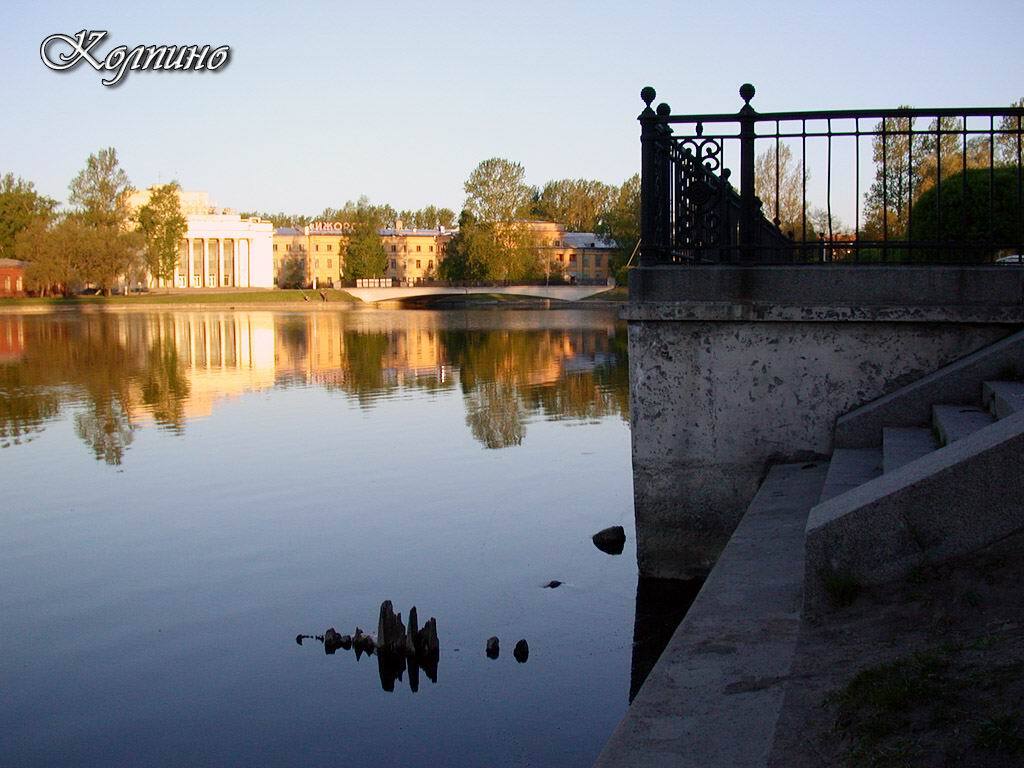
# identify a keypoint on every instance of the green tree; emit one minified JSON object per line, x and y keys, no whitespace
{"x":888,"y":201}
{"x":54,"y":251}
{"x":773,"y":169}
{"x":100,"y":193}
{"x":576,"y":204}
{"x":101,"y":190}
{"x":20,"y":205}
{"x":365,"y":255}
{"x":163,"y":227}
{"x":496,"y":191}
{"x":620,"y":223}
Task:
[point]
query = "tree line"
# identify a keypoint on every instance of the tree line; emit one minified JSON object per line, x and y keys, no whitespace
{"x":97,"y":241}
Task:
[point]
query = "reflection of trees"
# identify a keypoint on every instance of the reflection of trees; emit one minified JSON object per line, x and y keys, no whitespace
{"x":106,"y":428}
{"x":101,"y":364}
{"x":494,"y":414}
{"x":164,"y":385}
{"x":507,"y":375}
{"x":364,"y":357}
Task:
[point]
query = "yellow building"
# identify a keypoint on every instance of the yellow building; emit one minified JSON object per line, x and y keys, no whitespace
{"x":313,"y":256}
{"x":574,"y":256}
{"x":414,"y":255}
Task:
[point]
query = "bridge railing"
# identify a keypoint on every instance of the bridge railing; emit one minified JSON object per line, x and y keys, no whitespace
{"x":882,"y":185}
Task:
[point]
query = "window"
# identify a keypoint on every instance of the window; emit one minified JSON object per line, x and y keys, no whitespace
{"x":586,"y":260}
{"x":328,"y":246}
{"x":287,"y":247}
{"x":7,"y":283}
{"x":419,"y":248}
{"x":417,"y":263}
{"x":393,"y":264}
{"x":316,"y":263}
{"x":572,"y":258}
{"x":328,"y":263}
{"x":318,"y":246}
{"x":430,"y":264}
{"x":275,"y":246}
{"x":17,"y":284}
{"x":431,"y":248}
{"x":394,"y":248}
{"x":561,"y":257}
{"x":597,"y":260}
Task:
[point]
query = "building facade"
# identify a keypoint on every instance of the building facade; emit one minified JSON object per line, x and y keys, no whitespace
{"x":12,"y":277}
{"x":572,"y":256}
{"x":414,"y":255}
{"x":221,"y":249}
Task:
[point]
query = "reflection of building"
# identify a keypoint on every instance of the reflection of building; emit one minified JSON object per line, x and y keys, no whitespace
{"x":12,"y":338}
{"x":576,"y":255}
{"x":221,"y":249}
{"x":12,"y":277}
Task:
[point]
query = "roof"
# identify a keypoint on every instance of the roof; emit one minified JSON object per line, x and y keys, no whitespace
{"x":408,"y":232}
{"x":588,"y":240}
{"x":13,"y":263}
{"x":287,"y":231}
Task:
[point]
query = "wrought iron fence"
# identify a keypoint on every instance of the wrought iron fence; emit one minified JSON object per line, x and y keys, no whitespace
{"x":898,"y":185}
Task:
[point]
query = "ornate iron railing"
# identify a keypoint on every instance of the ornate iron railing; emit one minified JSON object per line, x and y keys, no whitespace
{"x":899,"y":185}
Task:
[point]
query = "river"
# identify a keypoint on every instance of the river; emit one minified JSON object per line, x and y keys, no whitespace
{"x":186,"y":492}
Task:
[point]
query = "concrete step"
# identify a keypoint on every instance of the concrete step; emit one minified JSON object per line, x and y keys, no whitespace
{"x":849,"y":468}
{"x":714,"y":697}
{"x":1003,"y":398}
{"x":955,"y":422}
{"x":902,"y":445}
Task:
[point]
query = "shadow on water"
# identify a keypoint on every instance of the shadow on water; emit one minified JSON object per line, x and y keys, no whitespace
{"x":660,"y":605}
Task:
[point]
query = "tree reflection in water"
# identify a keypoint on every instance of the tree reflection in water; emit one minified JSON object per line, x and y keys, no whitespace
{"x":115,"y":372}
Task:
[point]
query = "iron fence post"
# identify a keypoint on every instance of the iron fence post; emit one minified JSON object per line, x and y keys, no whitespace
{"x":748,"y":199}
{"x":650,"y":182}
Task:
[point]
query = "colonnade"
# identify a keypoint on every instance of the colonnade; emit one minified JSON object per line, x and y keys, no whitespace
{"x":213,"y":262}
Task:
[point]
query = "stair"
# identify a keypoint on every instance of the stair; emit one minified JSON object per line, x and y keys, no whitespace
{"x":902,"y":445}
{"x":928,"y":492}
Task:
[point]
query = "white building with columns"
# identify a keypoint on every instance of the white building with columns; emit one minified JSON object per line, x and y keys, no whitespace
{"x":223,"y":250}
{"x":220,"y":249}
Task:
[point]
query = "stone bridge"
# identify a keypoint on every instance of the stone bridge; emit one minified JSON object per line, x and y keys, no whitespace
{"x":559,"y":292}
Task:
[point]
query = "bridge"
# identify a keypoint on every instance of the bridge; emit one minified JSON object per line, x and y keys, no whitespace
{"x":558,"y":292}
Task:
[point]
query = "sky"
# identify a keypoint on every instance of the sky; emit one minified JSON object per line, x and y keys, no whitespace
{"x":325,"y":101}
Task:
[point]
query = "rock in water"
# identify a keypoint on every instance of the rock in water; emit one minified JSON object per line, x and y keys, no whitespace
{"x":610,"y":540}
{"x":332,"y":641}
{"x":410,"y":635}
{"x":492,"y":648}
{"x":522,"y":651}
{"x":553,"y":584}
{"x":390,"y":629}
{"x":427,"y":646}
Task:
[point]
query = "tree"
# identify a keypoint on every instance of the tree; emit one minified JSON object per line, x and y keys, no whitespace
{"x":496,"y":191}
{"x":20,"y":205}
{"x":777,"y":169}
{"x":1010,"y":141}
{"x":163,"y":228}
{"x":888,"y":201}
{"x":365,"y":255}
{"x":576,"y":204}
{"x":54,"y":251}
{"x":101,"y":190}
{"x":620,"y":222}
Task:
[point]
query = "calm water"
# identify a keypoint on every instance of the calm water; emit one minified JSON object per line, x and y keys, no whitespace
{"x":185,"y":492}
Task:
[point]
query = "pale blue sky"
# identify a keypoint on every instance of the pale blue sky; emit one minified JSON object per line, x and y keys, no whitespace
{"x":324,"y":101}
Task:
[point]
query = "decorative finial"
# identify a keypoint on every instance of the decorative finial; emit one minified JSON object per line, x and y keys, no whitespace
{"x":747,"y":92}
{"x":664,"y":110}
{"x":647,"y":94}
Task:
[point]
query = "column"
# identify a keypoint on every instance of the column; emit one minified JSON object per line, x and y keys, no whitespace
{"x":220,"y":262}
{"x":234,"y":261}
{"x":189,"y":261}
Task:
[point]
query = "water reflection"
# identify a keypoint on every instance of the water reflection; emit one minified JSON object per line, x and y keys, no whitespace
{"x":114,"y":373}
